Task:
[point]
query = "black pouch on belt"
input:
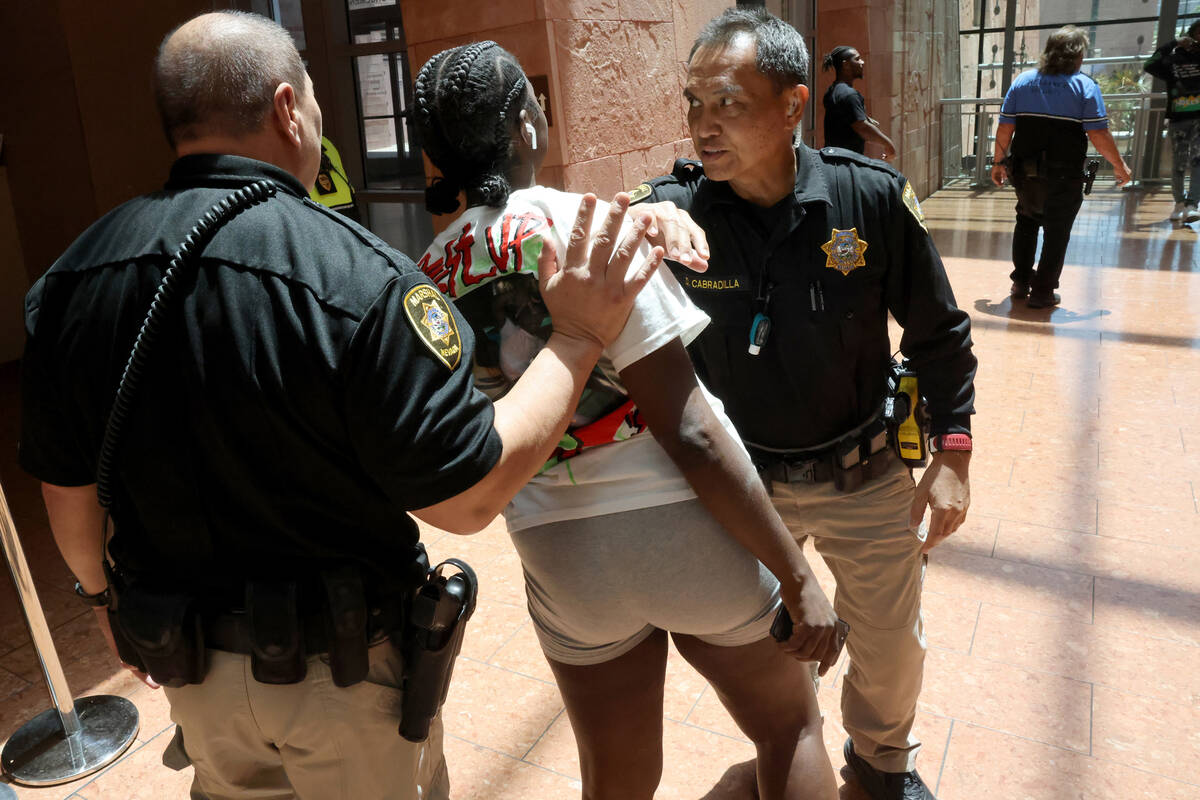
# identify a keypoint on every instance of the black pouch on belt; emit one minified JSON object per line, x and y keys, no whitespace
{"x":347,"y":625}
{"x":277,"y":640}
{"x":847,"y":466}
{"x":165,"y":631}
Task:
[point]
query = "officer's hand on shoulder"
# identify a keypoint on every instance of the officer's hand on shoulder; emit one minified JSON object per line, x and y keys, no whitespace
{"x":591,"y":291}
{"x":674,"y":230}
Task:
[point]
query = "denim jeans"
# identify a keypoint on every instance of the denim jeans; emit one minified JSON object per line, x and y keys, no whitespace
{"x":1185,"y":152}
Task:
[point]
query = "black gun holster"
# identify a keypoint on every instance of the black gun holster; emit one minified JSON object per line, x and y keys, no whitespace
{"x":430,"y":642}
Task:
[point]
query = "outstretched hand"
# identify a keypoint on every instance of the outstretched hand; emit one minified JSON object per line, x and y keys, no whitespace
{"x":589,"y":295}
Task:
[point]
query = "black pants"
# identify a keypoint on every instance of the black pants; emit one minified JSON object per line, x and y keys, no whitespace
{"x":1050,"y":204}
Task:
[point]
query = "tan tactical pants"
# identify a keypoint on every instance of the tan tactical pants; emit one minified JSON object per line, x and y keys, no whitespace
{"x":876,"y":560}
{"x":309,"y":740}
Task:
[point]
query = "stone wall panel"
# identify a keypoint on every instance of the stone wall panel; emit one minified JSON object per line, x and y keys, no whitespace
{"x":616,"y":73}
{"x":425,"y":20}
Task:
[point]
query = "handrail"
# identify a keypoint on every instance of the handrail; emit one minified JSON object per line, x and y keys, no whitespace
{"x":1142,"y":157}
{"x":994,"y":65}
{"x":970,"y":101}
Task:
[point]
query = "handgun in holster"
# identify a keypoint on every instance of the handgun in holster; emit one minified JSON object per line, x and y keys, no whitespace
{"x":1089,"y":175}
{"x":432,"y":638}
{"x":904,"y":410}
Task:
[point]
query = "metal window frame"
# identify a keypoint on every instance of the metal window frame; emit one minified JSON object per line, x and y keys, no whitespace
{"x":1148,"y":149}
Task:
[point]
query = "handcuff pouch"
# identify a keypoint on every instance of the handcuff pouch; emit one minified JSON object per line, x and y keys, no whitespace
{"x":346,"y":625}
{"x":277,"y":640}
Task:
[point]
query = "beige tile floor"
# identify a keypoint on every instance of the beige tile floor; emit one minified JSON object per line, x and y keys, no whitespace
{"x":1063,"y":619}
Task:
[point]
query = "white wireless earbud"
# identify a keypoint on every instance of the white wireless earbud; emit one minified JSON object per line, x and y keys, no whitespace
{"x":532,"y":135}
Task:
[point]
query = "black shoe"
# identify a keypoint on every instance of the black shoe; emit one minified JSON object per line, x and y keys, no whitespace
{"x":886,"y":785}
{"x":1019,"y":290}
{"x":1042,"y":299}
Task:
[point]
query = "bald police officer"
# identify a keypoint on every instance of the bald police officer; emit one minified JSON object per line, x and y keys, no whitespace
{"x":308,"y":392}
{"x":809,"y":252}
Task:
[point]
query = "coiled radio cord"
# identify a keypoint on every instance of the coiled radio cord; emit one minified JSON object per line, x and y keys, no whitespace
{"x":164,"y":297}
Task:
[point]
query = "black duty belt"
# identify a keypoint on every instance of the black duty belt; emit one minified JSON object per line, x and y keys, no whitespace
{"x":231,"y":633}
{"x":821,"y":469}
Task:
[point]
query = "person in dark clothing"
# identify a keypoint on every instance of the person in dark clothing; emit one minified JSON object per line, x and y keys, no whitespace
{"x":1049,"y":115}
{"x":810,"y":251}
{"x":846,"y":121}
{"x":1178,"y":63}
{"x":308,"y":393}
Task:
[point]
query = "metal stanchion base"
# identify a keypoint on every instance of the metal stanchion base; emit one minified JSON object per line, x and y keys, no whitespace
{"x":39,"y":754}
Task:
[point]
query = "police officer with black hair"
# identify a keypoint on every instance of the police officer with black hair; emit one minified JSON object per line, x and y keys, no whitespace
{"x":303,"y":391}
{"x":809,"y":252}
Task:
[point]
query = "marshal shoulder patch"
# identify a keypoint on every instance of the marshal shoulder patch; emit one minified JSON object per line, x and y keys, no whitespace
{"x":913,"y":206}
{"x":639,"y":193}
{"x":844,"y":251}
{"x":429,"y":315}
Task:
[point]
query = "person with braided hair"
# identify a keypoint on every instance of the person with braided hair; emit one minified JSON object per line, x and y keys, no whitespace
{"x":649,"y":519}
{"x":846,"y":121}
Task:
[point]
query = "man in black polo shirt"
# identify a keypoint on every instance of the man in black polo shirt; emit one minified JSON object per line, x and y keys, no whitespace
{"x":809,"y":252}
{"x":307,"y":392}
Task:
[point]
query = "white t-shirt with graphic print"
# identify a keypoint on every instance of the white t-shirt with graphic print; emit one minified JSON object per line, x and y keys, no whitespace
{"x":635,"y":472}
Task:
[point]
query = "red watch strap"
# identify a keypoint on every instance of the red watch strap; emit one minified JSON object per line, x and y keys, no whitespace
{"x":954,"y":441}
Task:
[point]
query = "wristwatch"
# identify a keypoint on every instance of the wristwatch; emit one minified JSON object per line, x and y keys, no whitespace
{"x":96,"y":600}
{"x":950,"y":441}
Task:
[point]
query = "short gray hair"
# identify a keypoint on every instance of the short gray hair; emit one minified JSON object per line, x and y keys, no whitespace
{"x":780,"y":52}
{"x":220,"y":75}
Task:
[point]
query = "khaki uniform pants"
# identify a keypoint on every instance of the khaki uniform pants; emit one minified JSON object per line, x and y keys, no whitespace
{"x":876,"y":560}
{"x":309,"y":740}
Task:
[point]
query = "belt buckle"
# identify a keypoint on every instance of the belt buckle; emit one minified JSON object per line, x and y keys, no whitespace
{"x":801,"y":471}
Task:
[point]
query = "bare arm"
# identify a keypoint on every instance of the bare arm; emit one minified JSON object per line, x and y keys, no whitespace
{"x":1004,"y":134}
{"x":665,"y":389}
{"x":77,"y":520}
{"x":869,"y":131}
{"x":1103,"y":141}
{"x":589,"y":305}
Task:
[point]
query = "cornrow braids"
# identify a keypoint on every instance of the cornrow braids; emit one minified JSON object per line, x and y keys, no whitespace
{"x":516,"y":91}
{"x":465,"y":99}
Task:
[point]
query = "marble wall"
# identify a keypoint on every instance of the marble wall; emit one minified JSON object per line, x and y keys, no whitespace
{"x":911,"y":50}
{"x":614,"y":69}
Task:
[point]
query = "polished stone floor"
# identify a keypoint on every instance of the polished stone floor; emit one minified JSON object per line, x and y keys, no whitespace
{"x":1063,"y":619}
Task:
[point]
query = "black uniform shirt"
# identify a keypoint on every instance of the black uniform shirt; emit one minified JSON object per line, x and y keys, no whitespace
{"x":844,"y":106}
{"x":823,"y":368}
{"x":291,"y":410}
